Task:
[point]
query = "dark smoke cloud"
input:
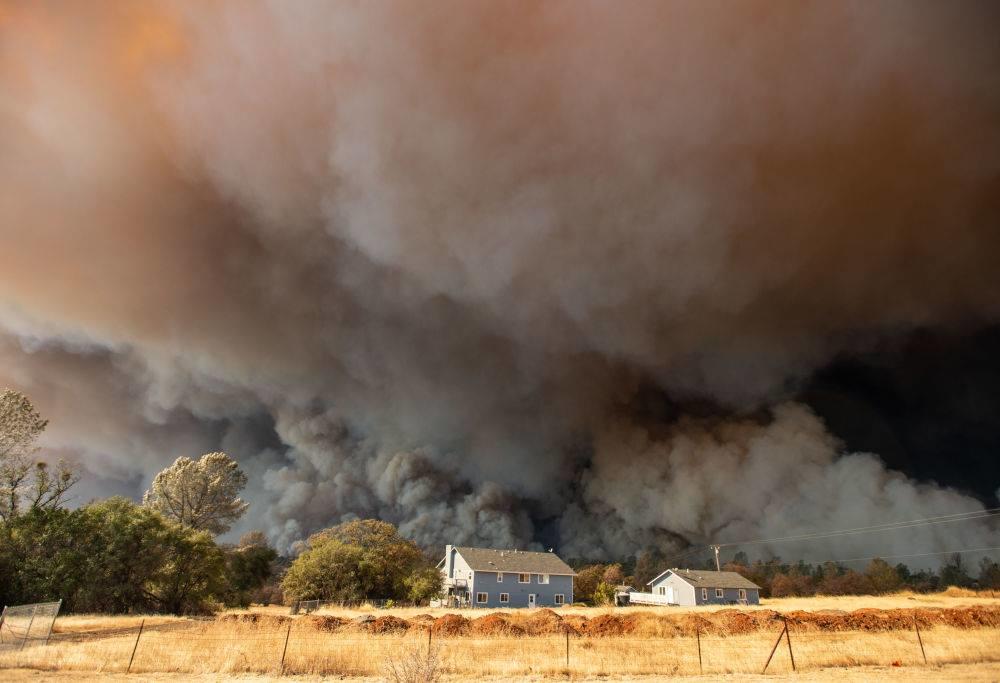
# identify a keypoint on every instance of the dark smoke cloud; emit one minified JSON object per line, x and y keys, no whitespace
{"x":425,"y":261}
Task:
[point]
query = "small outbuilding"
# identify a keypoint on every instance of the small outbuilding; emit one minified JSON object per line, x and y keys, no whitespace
{"x":700,"y":587}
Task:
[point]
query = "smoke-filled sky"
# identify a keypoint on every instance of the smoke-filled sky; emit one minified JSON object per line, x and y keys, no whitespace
{"x":603,"y":276}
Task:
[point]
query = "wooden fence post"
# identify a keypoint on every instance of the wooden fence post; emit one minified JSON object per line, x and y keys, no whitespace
{"x":567,"y":651}
{"x":429,"y":633}
{"x":136,"y":646}
{"x":773,"y":650}
{"x":920,"y":640}
{"x":288,"y":632}
{"x":788,"y":639}
{"x":697,"y":633}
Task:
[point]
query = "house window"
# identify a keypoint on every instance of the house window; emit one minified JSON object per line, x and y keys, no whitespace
{"x":505,"y":598}
{"x":704,"y":594}
{"x":524,"y":578}
{"x":743,"y":594}
{"x":719,"y":593}
{"x":482,"y":598}
{"x":560,"y":598}
{"x":499,"y":577}
{"x":662,"y":590}
{"x":543,"y":578}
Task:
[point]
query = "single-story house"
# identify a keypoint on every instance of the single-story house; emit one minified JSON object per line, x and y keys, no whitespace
{"x":483,"y":577}
{"x":699,"y":587}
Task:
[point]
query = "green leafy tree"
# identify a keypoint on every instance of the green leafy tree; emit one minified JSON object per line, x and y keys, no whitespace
{"x":604,"y":594}
{"x":249,"y":566}
{"x":365,"y":558}
{"x":329,"y":570}
{"x":423,"y":584}
{"x":201,"y":494}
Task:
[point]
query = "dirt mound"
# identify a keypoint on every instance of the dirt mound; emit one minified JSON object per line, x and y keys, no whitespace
{"x":606,"y":625}
{"x":387,"y":624}
{"x":496,"y":625}
{"x":421,"y":618}
{"x":255,"y":619}
{"x":324,"y":623}
{"x":543,"y":622}
{"x":450,"y":625}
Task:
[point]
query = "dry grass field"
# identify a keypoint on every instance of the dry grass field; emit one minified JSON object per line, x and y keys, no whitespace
{"x":854,"y":638}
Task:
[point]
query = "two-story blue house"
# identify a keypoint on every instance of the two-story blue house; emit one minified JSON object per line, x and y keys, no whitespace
{"x":482,"y":577}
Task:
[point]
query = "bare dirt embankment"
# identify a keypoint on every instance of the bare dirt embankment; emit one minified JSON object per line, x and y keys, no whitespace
{"x":722,"y":622}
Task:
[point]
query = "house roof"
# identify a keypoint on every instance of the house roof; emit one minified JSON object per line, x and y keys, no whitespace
{"x":709,"y":579}
{"x":519,"y":561}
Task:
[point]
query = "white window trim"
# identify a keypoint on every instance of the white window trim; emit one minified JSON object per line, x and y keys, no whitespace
{"x":720,"y":593}
{"x":485,"y":598}
{"x":504,"y":598}
{"x":743,"y":594}
{"x":542,"y":578}
{"x":704,"y":594}
{"x":528,"y":579}
{"x":499,"y":577}
{"x":559,"y":599}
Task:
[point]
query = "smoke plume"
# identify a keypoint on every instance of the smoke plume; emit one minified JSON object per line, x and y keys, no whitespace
{"x":503,"y":273}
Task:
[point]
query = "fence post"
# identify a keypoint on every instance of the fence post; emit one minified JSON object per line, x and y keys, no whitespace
{"x":788,"y":639}
{"x":31,"y":621}
{"x":697,"y":633}
{"x":919,"y":639}
{"x":429,"y":633}
{"x":567,"y":651}
{"x":136,"y":646}
{"x":2,"y":616}
{"x":773,"y":650}
{"x":284,"y":650}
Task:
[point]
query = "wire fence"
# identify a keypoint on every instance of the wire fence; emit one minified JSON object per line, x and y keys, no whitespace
{"x":207,"y":647}
{"x":21,"y":625}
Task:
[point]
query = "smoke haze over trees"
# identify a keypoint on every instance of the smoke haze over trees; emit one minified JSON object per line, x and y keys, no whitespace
{"x":598,"y":276}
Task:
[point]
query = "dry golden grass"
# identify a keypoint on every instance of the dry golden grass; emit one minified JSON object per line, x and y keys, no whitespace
{"x":234,"y":647}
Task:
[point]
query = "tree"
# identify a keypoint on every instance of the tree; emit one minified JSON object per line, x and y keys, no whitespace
{"x":585,"y":582}
{"x":202,"y":494}
{"x":604,"y":594}
{"x":883,"y":576}
{"x":20,"y":476}
{"x":613,"y":575}
{"x":953,"y":573}
{"x":423,"y":584}
{"x":330,"y":570}
{"x":248,"y":567}
{"x":365,"y":558}
{"x":989,"y":573}
{"x":646,"y":569}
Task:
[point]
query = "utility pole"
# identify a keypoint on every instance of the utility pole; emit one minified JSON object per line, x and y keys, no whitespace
{"x":716,"y":549}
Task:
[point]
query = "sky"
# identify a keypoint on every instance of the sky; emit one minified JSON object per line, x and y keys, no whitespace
{"x":582,"y":275}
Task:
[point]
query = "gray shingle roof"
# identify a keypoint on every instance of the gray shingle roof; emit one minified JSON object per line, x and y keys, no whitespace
{"x":520,"y":561}
{"x":709,"y":579}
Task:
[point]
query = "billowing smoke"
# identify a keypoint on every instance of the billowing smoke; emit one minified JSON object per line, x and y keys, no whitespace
{"x":502,"y":273}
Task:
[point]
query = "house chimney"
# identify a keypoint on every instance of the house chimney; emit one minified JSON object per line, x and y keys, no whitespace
{"x":449,"y":561}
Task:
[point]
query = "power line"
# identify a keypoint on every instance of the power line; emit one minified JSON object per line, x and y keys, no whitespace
{"x":876,"y":528}
{"x":960,"y":551}
{"x":888,"y":526}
